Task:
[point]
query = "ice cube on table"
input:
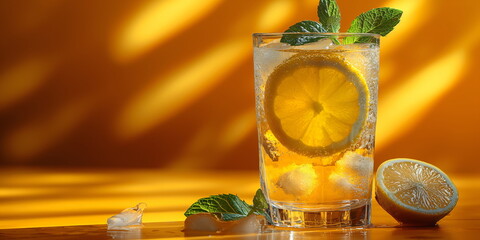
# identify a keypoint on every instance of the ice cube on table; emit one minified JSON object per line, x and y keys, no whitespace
{"x":207,"y":224}
{"x":299,"y":181}
{"x":127,"y":219}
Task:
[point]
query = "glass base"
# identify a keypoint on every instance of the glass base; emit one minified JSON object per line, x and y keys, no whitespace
{"x":355,"y":217}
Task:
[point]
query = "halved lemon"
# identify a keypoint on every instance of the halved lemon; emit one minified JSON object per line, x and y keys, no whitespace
{"x":414,"y":192}
{"x":316,"y":103}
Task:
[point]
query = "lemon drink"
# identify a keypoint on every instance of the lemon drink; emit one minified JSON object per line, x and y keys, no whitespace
{"x":316,"y":112}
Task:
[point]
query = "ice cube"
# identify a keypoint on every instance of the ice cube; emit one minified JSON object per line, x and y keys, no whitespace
{"x":355,"y":163}
{"x":128,"y":218}
{"x":299,"y":181}
{"x":324,"y":43}
{"x":340,"y":181}
{"x":204,"y":222}
{"x":364,"y":57}
{"x":252,"y":224}
{"x":266,"y":59}
{"x":201,"y":224}
{"x":352,"y":172}
{"x":269,"y":54}
{"x":275,"y":44}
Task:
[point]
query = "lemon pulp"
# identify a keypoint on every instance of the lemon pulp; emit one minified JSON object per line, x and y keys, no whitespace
{"x":316,"y":103}
{"x":414,"y":192}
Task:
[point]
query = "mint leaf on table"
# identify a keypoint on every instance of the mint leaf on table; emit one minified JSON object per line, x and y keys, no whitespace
{"x":305,"y":27}
{"x":379,"y":20}
{"x":229,"y":207}
{"x":329,"y":15}
{"x":226,"y":206}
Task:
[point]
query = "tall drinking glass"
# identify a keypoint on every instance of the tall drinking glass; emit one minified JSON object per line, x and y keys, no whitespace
{"x":316,"y":107}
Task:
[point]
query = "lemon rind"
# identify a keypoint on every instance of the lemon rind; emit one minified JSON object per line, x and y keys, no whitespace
{"x":395,"y":200}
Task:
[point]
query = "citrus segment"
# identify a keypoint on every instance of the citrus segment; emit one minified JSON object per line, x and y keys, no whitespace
{"x":414,"y":192}
{"x":316,"y":103}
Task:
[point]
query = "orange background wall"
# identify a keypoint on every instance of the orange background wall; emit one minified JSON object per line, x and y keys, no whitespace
{"x":170,"y":83}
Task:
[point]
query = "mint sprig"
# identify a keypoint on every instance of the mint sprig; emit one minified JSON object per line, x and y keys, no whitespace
{"x":306,"y":27}
{"x":378,"y":21}
{"x":329,"y":15}
{"x":229,"y":207}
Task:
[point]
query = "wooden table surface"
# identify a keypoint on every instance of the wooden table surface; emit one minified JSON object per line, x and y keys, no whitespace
{"x":75,"y":204}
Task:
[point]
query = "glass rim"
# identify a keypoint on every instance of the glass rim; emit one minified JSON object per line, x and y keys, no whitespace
{"x":279,"y":34}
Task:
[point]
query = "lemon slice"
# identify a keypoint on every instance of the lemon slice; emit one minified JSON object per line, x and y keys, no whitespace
{"x":315,"y":104}
{"x":414,"y":192}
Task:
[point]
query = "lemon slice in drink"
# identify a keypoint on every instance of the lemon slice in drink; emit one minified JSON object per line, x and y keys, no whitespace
{"x":414,"y":192}
{"x":316,"y":103}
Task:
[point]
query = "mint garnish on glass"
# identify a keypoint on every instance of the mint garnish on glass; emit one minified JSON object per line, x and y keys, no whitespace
{"x":329,"y":15}
{"x":228,"y":207}
{"x":379,"y":21}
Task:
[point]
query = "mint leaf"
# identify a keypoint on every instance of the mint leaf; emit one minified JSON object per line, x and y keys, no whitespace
{"x":260,"y":205}
{"x":329,"y":15}
{"x":226,"y":206}
{"x":379,"y":20}
{"x":229,"y":207}
{"x":259,"y":201}
{"x":306,"y":27}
